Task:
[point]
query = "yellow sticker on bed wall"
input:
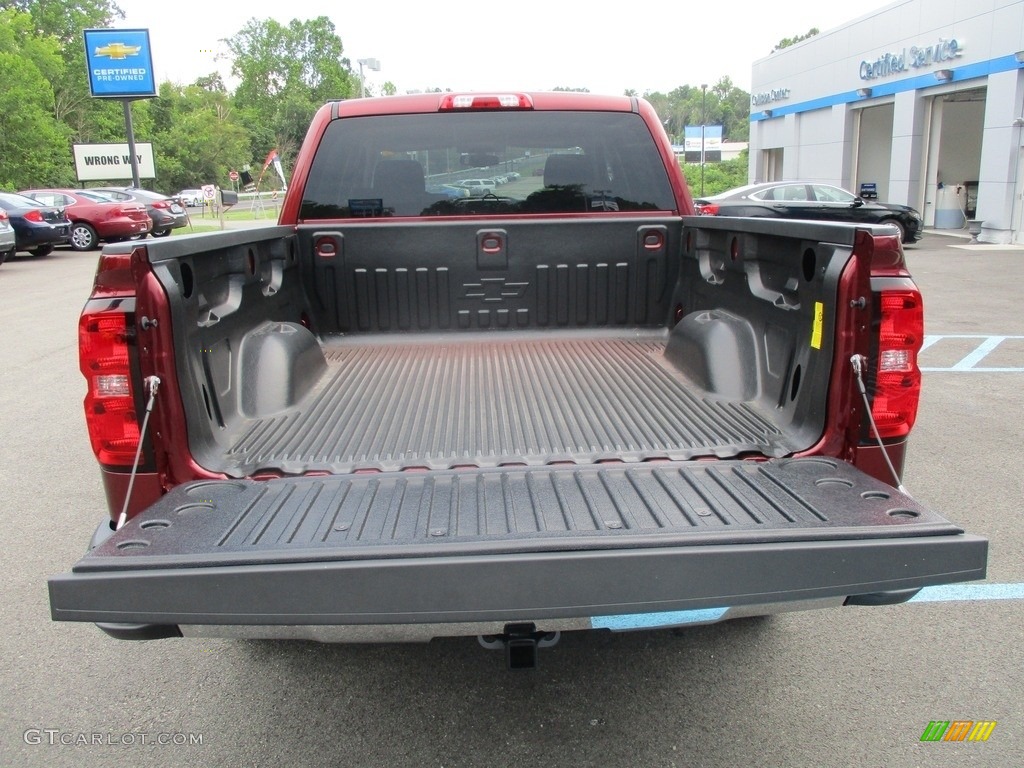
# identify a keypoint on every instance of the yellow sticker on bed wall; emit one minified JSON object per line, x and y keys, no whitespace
{"x":819,"y":324}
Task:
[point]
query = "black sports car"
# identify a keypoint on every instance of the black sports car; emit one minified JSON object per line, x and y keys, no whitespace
{"x":810,"y":200}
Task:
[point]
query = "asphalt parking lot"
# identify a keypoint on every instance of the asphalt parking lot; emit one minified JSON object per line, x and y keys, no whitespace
{"x":840,"y":687}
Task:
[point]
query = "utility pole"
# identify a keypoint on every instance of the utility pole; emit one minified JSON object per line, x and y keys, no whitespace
{"x":703,"y":122}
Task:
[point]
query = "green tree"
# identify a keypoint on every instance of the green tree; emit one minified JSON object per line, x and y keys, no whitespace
{"x":286,"y":73}
{"x":33,"y":145}
{"x":65,"y":19}
{"x":718,"y":177}
{"x":89,"y":119}
{"x":196,"y":137}
{"x":722,"y":104}
{"x":788,"y":41}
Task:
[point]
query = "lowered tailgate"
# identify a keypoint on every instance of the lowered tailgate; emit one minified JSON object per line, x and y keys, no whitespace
{"x":512,"y":543}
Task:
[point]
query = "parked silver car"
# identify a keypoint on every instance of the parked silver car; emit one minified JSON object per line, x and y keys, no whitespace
{"x":7,"y":239}
{"x":478,"y":187}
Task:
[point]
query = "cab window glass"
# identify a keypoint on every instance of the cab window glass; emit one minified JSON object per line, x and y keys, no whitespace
{"x":828,"y":194}
{"x":459,"y":164}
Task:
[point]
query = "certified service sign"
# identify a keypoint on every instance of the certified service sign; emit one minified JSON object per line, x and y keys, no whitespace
{"x":120,"y":63}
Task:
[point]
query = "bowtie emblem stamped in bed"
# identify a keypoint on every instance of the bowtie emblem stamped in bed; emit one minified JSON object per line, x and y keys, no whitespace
{"x":493,"y":289}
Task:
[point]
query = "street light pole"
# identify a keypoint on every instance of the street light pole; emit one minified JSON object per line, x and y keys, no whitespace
{"x":703,"y":121}
{"x":372,"y":64}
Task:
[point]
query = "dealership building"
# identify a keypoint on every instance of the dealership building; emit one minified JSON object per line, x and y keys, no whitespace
{"x":923,"y":99}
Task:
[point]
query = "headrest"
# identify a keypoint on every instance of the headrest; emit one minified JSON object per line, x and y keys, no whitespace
{"x":568,"y":170}
{"x":398,"y":175}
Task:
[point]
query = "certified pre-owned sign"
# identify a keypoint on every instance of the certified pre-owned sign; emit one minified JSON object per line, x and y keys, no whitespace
{"x":106,"y":162}
{"x":120,"y":63}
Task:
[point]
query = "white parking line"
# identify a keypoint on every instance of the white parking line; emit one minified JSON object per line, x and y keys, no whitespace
{"x":970,"y":363}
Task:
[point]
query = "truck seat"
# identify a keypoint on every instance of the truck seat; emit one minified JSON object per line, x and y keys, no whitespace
{"x":401,"y":185}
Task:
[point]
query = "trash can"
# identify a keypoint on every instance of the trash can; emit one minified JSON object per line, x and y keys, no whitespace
{"x":950,"y":205}
{"x":971,"y":209}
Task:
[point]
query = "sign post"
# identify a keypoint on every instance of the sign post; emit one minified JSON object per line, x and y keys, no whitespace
{"x":120,"y":65}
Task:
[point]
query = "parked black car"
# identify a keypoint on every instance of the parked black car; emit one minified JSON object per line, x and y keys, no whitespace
{"x":37,"y":227}
{"x":810,"y":200}
{"x":166,"y":212}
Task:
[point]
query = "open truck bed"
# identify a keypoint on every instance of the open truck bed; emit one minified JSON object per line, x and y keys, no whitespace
{"x":319,"y":350}
{"x":444,"y":401}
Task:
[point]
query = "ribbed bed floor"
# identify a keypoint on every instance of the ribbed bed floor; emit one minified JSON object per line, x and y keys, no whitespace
{"x":391,"y":404}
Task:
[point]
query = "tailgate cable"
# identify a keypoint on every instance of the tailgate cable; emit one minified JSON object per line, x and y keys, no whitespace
{"x":858,"y":362}
{"x":152,"y":384}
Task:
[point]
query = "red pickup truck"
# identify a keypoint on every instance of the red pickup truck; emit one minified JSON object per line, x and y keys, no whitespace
{"x":565,"y":404}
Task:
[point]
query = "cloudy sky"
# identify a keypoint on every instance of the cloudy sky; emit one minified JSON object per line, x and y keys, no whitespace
{"x":646,"y":45}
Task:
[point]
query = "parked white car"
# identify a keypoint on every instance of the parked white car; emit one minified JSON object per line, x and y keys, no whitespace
{"x":193,"y":197}
{"x":479,"y":187}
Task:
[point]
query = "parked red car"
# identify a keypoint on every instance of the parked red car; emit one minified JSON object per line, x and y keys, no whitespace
{"x":94,"y":216}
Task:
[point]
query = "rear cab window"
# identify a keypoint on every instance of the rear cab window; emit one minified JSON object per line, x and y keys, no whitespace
{"x":486,"y":163}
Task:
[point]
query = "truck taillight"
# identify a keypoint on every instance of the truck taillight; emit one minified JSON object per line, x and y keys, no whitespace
{"x":110,"y":401}
{"x":897,"y":377}
{"x":452,"y":101}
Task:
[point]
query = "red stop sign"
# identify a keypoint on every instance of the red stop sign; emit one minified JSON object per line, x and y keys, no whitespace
{"x":233,"y":175}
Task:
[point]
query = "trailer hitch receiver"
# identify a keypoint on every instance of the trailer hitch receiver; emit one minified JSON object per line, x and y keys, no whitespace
{"x":520,"y":643}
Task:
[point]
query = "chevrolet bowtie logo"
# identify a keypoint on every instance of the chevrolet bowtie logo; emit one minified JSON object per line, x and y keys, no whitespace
{"x":493,"y":289}
{"x":118,"y":50}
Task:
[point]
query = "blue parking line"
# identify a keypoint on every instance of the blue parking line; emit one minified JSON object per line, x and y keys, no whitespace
{"x":945,"y":594}
{"x":972,"y":370}
{"x":979,"y":354}
{"x":965,"y":592}
{"x":969,"y":363}
{"x":653,"y":620}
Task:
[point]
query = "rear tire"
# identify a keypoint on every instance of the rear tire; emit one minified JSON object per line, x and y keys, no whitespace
{"x":41,"y":250}
{"x":83,"y":237}
{"x":5,"y":255}
{"x":902,"y":230}
{"x":161,"y":233}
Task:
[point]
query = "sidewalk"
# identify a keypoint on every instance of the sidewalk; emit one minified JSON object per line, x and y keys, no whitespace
{"x":966,"y":245}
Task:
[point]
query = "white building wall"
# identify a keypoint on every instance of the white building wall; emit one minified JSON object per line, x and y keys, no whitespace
{"x":874,"y":149}
{"x":804,"y":100}
{"x":1000,"y":188}
{"x":909,"y":128}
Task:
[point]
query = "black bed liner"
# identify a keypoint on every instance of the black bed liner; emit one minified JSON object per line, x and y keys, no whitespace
{"x":533,"y":398}
{"x":496,"y":543}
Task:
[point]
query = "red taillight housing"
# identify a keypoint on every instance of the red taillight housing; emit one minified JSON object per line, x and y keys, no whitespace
{"x":161,"y":203}
{"x":34,"y":215}
{"x":103,"y":347}
{"x":706,"y":209}
{"x":897,"y":389}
